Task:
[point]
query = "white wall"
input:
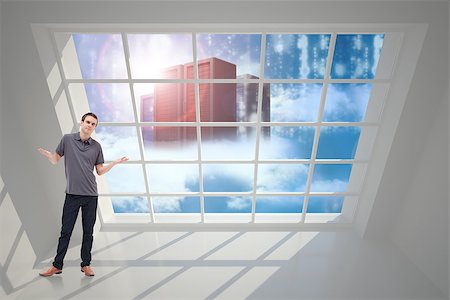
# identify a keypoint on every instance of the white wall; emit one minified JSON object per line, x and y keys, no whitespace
{"x":31,"y":120}
{"x":1,"y":98}
{"x":428,"y":90}
{"x":411,"y":206}
{"x":1,"y":102}
{"x":35,"y":187}
{"x":421,"y":228}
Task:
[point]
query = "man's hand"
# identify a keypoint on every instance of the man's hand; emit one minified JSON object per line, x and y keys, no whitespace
{"x":44,"y":152}
{"x":52,"y":157}
{"x":101,"y":169}
{"x":120,"y":160}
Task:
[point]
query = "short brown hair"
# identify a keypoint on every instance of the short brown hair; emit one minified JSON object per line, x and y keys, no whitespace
{"x":89,"y":114}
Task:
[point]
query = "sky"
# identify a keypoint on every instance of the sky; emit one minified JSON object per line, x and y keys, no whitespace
{"x":287,"y":56}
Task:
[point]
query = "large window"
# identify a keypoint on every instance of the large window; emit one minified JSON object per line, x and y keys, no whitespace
{"x":228,"y":127}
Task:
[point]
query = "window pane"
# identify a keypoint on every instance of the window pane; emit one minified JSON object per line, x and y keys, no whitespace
{"x":228,"y":204}
{"x":228,"y":55}
{"x":279,"y":204}
{"x":118,"y":141}
{"x":325,"y":204}
{"x":356,"y":55}
{"x":176,"y":204}
{"x":227,"y":177}
{"x":165,"y":102}
{"x":301,"y":56}
{"x":100,"y":56}
{"x":125,"y":178}
{"x":330,"y":178}
{"x":173,"y":177}
{"x":283,"y":142}
{"x":159,"y":55}
{"x":111,"y":102}
{"x":247,"y":102}
{"x":346,"y":102}
{"x":228,"y":143}
{"x":282,"y":177}
{"x":130,"y":205}
{"x":293,"y":102}
{"x":170,"y":143}
{"x":218,"y":102}
{"x":338,"y":142}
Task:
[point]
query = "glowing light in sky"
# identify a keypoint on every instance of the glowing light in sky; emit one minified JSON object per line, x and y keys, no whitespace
{"x":152,"y":53}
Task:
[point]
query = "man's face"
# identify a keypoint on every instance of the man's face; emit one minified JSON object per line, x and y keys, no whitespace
{"x":88,"y":125}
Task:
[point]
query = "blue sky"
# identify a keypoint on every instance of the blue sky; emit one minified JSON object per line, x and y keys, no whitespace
{"x":287,"y":56}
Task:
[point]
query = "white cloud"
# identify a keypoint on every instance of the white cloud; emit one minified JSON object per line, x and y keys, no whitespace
{"x":334,"y":185}
{"x":275,"y":147}
{"x":239,"y":203}
{"x":292,"y":103}
{"x":130,"y":205}
{"x":125,"y":179}
{"x":172,"y":177}
{"x":279,"y":200}
{"x":377,"y":44}
{"x":226,"y":149}
{"x":287,"y":142}
{"x":241,"y":173}
{"x":167,"y":204}
{"x":346,"y":101}
{"x":171,"y":151}
{"x":248,"y":67}
{"x":178,"y":177}
{"x":118,"y":143}
{"x":282,"y":177}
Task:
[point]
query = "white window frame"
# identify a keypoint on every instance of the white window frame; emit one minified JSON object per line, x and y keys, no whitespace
{"x":400,"y":52}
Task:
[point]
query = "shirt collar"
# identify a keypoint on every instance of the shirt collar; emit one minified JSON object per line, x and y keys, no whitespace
{"x":78,"y":138}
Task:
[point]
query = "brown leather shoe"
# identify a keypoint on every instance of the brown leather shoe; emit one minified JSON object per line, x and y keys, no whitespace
{"x":87,"y":271}
{"x":50,"y":272}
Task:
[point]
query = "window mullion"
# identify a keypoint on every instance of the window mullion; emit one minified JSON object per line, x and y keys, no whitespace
{"x":138,"y":128}
{"x":319,"y":119}
{"x":198,"y":128}
{"x":258,"y":123}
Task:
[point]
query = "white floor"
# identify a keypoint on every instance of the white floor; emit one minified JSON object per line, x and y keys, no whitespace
{"x":231,"y":265}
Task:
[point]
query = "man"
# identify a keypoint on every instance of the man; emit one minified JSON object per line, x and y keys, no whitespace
{"x":81,"y":153}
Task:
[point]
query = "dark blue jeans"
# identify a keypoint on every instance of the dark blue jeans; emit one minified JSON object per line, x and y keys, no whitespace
{"x":72,"y":205}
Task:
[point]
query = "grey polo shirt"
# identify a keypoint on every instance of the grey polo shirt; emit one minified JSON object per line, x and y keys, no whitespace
{"x":80,"y":158}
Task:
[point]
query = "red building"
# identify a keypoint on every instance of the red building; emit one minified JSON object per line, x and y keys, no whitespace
{"x":219,"y":102}
{"x":169,"y":105}
{"x":175,"y":102}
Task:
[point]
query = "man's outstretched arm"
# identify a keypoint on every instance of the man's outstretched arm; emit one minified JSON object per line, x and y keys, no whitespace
{"x":52,"y":157}
{"x":101,"y":169}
